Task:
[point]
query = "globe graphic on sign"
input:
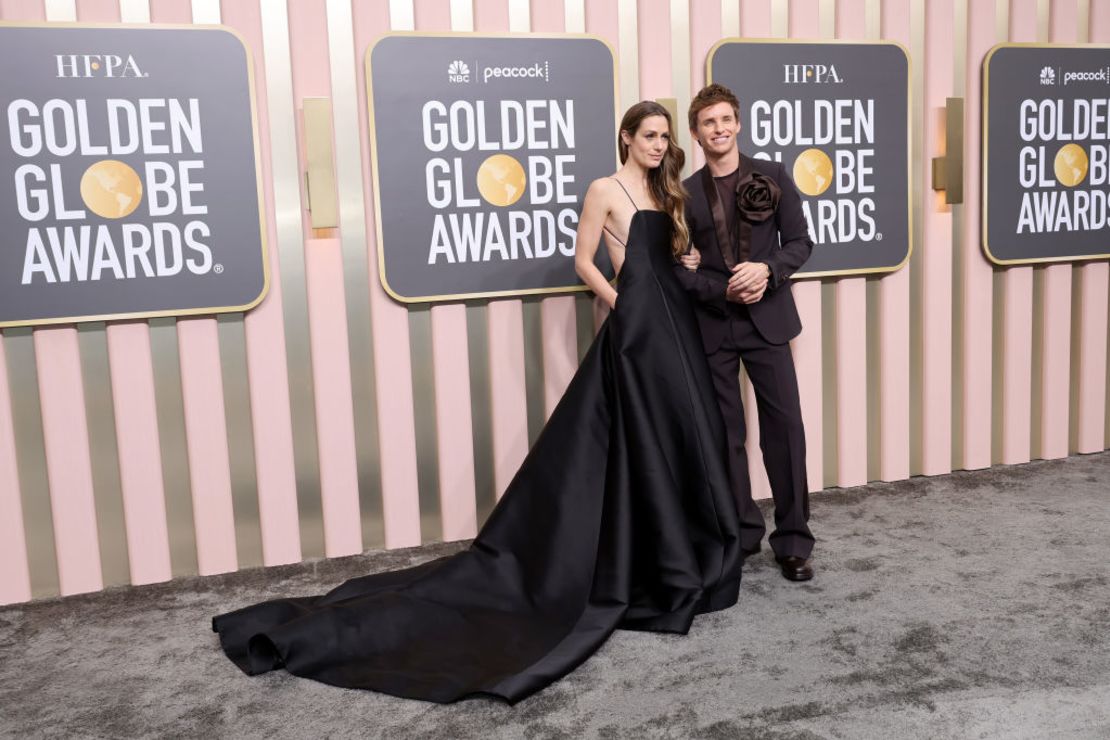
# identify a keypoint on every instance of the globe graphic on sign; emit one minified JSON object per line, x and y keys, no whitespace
{"x":813,"y":172}
{"x":1071,"y":165}
{"x":501,"y":180}
{"x":111,"y":189}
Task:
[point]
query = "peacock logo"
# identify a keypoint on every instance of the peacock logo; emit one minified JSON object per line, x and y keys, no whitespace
{"x":457,"y":71}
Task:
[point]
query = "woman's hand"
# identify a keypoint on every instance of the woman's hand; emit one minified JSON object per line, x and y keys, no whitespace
{"x":691,"y":259}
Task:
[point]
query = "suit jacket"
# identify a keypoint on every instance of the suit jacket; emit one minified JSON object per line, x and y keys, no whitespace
{"x":782,"y":242}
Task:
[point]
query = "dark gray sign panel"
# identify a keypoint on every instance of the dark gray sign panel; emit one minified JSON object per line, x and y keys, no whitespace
{"x":1046,"y":153}
{"x":836,"y":115}
{"x":483,"y":148}
{"x":129,"y":178}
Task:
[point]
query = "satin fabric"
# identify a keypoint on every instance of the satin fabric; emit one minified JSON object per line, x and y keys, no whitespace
{"x":621,"y":516}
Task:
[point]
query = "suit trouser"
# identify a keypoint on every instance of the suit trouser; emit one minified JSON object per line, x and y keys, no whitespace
{"x":781,"y":435}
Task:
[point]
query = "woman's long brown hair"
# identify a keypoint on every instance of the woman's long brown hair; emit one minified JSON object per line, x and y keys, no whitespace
{"x":664,"y":181}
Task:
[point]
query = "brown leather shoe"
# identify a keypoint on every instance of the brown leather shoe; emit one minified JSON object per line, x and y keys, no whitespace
{"x":795,"y":568}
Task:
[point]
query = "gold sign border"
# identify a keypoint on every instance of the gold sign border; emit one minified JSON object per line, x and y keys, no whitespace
{"x":257,"y":177}
{"x":909,"y":137}
{"x":985,"y":102}
{"x":374,"y":157}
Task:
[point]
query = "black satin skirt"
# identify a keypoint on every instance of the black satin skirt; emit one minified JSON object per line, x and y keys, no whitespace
{"x":621,"y":516}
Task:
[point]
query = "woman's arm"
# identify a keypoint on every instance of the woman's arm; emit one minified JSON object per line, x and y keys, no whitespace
{"x":595,"y":210}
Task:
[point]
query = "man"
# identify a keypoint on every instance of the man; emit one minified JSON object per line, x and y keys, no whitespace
{"x":746,"y":220}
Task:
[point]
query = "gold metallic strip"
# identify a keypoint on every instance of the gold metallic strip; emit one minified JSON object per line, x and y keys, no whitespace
{"x":424,"y":423}
{"x":874,"y":19}
{"x":730,"y":18}
{"x":481,"y":401}
{"x":287,"y":213}
{"x":827,"y":18}
{"x":462,"y":15}
{"x":240,"y":439}
{"x":134,"y":11}
{"x":206,"y":11}
{"x":100,"y":420}
{"x":680,"y":75}
{"x":1084,"y":31}
{"x":629,"y":76}
{"x":356,"y":268}
{"x":30,"y":450}
{"x":520,"y":20}
{"x":780,"y":18}
{"x":584,"y":323}
{"x":1044,"y":22}
{"x":533,"y":367}
{"x":61,"y":10}
{"x":1001,"y":20}
{"x":176,"y":480}
{"x":575,"y":16}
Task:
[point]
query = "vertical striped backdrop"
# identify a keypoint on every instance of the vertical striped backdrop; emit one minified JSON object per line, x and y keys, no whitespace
{"x":332,"y":420}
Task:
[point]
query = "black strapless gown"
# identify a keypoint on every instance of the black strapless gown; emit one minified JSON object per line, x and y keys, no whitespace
{"x":621,"y":516}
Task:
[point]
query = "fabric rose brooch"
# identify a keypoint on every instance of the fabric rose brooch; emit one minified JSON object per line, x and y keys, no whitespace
{"x":757,"y":197}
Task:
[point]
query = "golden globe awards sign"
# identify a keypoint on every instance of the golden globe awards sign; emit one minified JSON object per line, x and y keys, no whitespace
{"x":837,"y":116}
{"x":1046,"y":153}
{"x":483,"y":148}
{"x":129,"y":181}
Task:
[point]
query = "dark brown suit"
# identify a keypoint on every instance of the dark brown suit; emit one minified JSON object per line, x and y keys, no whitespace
{"x":758,"y":334}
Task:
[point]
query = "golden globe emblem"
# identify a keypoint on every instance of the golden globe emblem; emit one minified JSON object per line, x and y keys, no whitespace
{"x":501,"y":180}
{"x":111,"y":189}
{"x":1070,"y":165}
{"x":813,"y":172}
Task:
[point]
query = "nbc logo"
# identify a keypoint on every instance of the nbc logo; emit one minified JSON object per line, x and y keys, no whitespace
{"x":1048,"y":76}
{"x":458,"y":71}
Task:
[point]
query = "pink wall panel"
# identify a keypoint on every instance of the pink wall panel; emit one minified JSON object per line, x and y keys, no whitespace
{"x":136,"y":417}
{"x":140,"y":455}
{"x":390,"y":329}
{"x":68,"y":466}
{"x":851,"y":317}
{"x":936,"y":254}
{"x":323,"y":258}
{"x":15,"y":581}
{"x":271,"y":420}
{"x":451,"y":376}
{"x":978,"y":276}
{"x":894,"y":319}
{"x":557,"y":314}
{"x":805,"y":23}
{"x":505,"y":318}
{"x":1094,"y":278}
{"x":1017,"y":315}
{"x":1056,"y":316}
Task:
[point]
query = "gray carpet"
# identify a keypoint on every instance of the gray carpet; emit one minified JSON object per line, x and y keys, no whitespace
{"x":971,"y":605}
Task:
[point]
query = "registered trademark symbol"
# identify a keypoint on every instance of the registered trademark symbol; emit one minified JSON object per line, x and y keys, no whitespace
{"x":218,"y":269}
{"x":878,"y":237}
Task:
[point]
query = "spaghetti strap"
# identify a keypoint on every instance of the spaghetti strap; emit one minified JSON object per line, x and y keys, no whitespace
{"x":626,"y":193}
{"x":614,"y":235}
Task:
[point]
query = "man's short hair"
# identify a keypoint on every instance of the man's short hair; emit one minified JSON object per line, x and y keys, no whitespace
{"x":711,"y":95}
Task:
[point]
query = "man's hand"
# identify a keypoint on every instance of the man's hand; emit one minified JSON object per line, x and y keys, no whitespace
{"x":691,"y":259}
{"x":748,"y":282}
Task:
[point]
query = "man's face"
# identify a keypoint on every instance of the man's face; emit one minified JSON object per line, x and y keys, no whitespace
{"x":717,"y":129}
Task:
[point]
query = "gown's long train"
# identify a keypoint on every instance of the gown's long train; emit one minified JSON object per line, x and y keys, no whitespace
{"x":620,"y":516}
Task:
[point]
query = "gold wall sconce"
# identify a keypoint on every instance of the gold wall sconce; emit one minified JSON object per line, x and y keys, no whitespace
{"x":319,"y":167}
{"x":948,"y":171}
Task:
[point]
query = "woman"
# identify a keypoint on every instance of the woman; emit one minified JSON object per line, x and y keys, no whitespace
{"x":620,"y":516}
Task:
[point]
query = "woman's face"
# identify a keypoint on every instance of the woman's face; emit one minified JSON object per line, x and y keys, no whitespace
{"x":649,"y":144}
